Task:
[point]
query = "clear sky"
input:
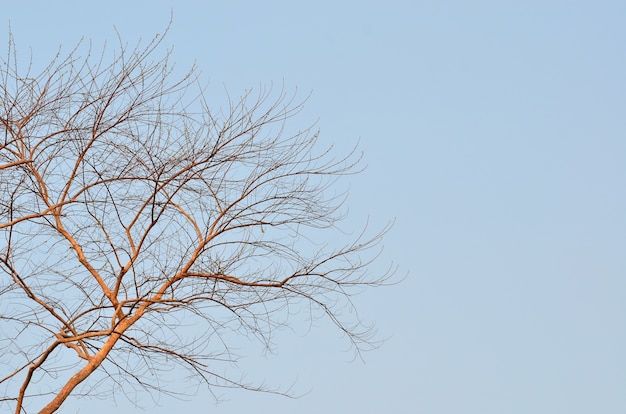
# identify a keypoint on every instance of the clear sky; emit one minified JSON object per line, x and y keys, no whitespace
{"x":494,"y":134}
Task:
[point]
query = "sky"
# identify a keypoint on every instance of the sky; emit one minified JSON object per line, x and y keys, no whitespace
{"x":494,"y":134}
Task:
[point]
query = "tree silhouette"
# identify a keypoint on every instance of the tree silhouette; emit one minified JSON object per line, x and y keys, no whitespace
{"x":141,"y":229}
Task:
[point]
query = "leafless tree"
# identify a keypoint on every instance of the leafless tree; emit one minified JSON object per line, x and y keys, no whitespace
{"x":141,"y":229}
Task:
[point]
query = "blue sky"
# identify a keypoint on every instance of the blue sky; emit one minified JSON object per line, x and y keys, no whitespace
{"x":494,"y":134}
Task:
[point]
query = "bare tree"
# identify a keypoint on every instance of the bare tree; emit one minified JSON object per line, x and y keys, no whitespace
{"x":142,"y":230}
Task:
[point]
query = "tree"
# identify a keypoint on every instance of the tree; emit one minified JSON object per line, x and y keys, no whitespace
{"x":130,"y":210}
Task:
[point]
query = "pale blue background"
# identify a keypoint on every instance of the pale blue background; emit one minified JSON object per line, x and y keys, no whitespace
{"x":494,"y":132}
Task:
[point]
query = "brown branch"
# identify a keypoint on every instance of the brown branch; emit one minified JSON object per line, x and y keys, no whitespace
{"x":172,"y":213}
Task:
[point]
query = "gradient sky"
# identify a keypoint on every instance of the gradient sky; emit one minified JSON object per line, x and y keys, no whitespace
{"x":495,"y":136}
